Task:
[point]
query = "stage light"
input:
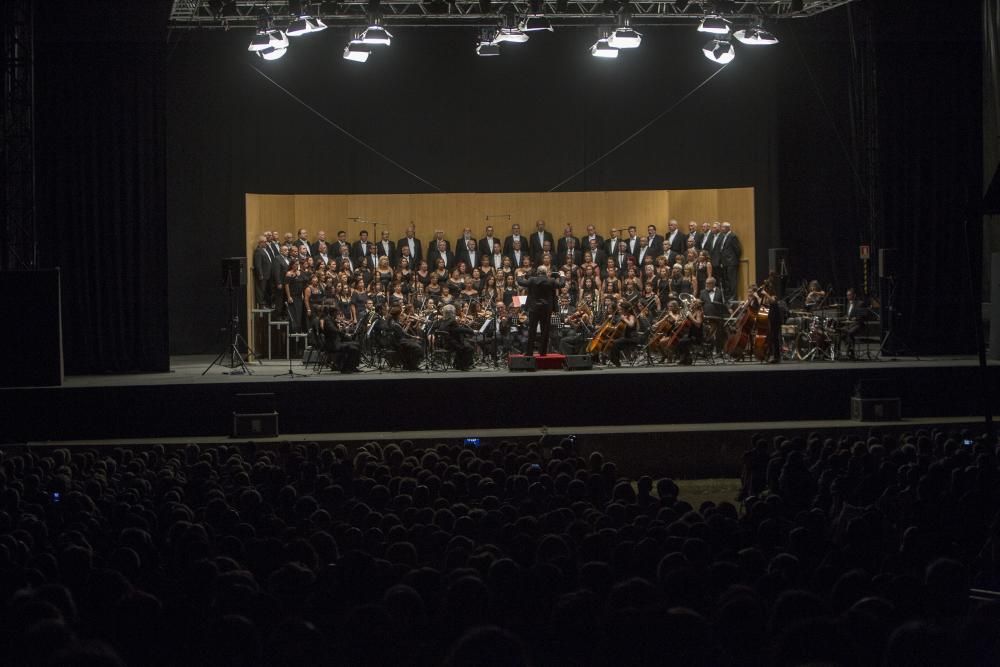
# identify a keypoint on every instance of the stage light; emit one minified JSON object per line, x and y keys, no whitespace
{"x":375,"y":34}
{"x":511,"y":35}
{"x":300,"y":26}
{"x":535,"y":23}
{"x":485,"y":45}
{"x":719,"y":51}
{"x":715,"y":25}
{"x":318,"y":25}
{"x":755,"y":36}
{"x":624,"y":36}
{"x":601,"y":49}
{"x":357,"y":51}
{"x":271,"y":53}
{"x":269,"y":40}
{"x":260,"y":42}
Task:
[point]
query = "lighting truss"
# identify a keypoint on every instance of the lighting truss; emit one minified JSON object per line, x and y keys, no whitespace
{"x":243,"y":13}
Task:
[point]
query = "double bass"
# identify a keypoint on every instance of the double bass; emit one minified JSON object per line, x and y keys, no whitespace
{"x":750,"y":333}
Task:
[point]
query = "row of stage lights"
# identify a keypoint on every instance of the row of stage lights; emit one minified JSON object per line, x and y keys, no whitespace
{"x":271,"y":44}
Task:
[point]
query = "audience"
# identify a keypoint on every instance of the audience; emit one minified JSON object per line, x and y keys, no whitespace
{"x":837,"y":552}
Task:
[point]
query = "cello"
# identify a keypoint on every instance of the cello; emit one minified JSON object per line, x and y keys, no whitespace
{"x":750,"y":333}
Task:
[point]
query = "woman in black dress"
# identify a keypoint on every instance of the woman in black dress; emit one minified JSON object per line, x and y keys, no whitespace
{"x":295,"y":284}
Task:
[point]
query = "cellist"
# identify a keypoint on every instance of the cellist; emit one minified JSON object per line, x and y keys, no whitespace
{"x":629,"y":325}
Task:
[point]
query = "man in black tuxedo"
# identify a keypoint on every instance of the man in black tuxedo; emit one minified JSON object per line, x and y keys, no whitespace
{"x":441,"y":250}
{"x":621,"y":258}
{"x":591,"y":234}
{"x":693,"y":233}
{"x":632,"y":241}
{"x":730,"y":251}
{"x":456,"y":337}
{"x":345,"y":261}
{"x":676,"y":240}
{"x":538,"y":239}
{"x":438,"y":237}
{"x":570,"y":250}
{"x":486,"y":243}
{"x":261,"y":273}
{"x":314,"y":246}
{"x":656,"y":240}
{"x":411,"y":241}
{"x":713,"y":246}
{"x":567,"y":234}
{"x":462,"y":242}
{"x":598,"y":253}
{"x":341,"y":242}
{"x":517,"y":253}
{"x":302,"y":242}
{"x":368,"y":261}
{"x":714,"y":299}
{"x":611,"y":244}
{"x":541,"y":299}
{"x":515,"y":235}
{"x":279,"y":267}
{"x":322,"y":254}
{"x":644,"y":251}
{"x":386,"y":248}
{"x":468,"y":254}
{"x":360,"y":248}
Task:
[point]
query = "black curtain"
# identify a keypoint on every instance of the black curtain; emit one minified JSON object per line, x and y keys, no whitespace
{"x":99,"y":92}
{"x":930,"y":110}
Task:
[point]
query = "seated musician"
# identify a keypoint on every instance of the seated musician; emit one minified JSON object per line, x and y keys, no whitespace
{"x":856,"y":313}
{"x":692,"y":333}
{"x":814,"y":295}
{"x":630,"y":333}
{"x":581,"y":327}
{"x":456,"y":337}
{"x":407,"y":346}
{"x":345,"y":353}
{"x":775,"y":318}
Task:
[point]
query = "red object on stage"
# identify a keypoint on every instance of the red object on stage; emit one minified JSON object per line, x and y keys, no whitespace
{"x":545,"y":362}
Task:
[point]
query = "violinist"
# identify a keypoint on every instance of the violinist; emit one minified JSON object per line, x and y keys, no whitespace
{"x":456,"y":338}
{"x":629,"y":324}
{"x":345,"y":353}
{"x":690,"y":332}
{"x":581,"y":326}
{"x":406,"y":345}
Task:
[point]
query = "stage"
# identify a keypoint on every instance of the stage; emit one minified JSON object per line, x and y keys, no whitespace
{"x":185,"y":405}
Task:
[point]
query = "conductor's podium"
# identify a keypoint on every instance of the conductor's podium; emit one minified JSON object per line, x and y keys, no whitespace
{"x":539,"y":362}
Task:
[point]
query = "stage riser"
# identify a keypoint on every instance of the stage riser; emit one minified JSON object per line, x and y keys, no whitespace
{"x":396,"y":401}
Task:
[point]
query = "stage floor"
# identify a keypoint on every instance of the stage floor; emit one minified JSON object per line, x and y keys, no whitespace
{"x":188,"y":369}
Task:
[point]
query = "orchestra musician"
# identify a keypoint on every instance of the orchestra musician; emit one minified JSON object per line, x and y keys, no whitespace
{"x":691,"y":334}
{"x":775,"y":318}
{"x":407,"y":346}
{"x":456,"y":338}
{"x":630,"y":333}
{"x":855,"y":315}
{"x":345,"y":353}
{"x":814,"y":295}
{"x":581,"y":326}
{"x":541,"y":298}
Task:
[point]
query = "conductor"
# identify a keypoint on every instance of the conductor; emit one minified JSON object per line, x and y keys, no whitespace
{"x":541,"y":299}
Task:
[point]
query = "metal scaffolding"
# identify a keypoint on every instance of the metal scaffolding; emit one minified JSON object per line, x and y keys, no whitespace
{"x":18,"y":238}
{"x":227,"y":14}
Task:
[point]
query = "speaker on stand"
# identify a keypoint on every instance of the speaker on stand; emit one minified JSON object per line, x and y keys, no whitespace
{"x":777,"y":263}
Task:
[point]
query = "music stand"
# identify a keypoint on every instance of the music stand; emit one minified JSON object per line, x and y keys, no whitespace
{"x":233,"y":276}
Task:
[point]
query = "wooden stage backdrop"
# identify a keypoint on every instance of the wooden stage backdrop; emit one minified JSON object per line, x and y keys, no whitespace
{"x":453,"y":212}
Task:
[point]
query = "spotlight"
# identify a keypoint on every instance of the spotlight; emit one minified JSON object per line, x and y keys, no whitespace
{"x":719,"y":51}
{"x":357,"y":50}
{"x":486,"y":47}
{"x":624,"y":36}
{"x":271,"y":53}
{"x":601,"y":49}
{"x":714,"y":24}
{"x":535,"y":23}
{"x":755,"y":36}
{"x":300,"y":26}
{"x":512,"y":35}
{"x":270,"y":39}
{"x":375,"y":34}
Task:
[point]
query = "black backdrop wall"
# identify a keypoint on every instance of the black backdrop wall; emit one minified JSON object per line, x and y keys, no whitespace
{"x":148,"y":147}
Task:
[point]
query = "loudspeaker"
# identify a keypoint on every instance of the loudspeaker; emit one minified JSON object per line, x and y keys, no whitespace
{"x":874,"y":409}
{"x":888,"y":259}
{"x":874,"y":388}
{"x":519,"y":362}
{"x":579,"y":362}
{"x":263,"y":425}
{"x":234,"y":271}
{"x":777,"y":262}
